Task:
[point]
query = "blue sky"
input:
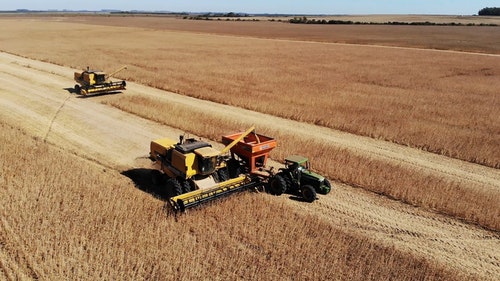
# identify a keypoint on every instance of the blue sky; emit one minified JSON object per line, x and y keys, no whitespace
{"x":447,"y":7}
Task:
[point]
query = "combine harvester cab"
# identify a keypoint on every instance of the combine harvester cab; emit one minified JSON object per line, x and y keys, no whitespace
{"x":92,"y":82}
{"x":194,"y":172}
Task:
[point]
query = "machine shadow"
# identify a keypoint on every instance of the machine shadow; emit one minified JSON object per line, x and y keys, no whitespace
{"x":143,"y":180}
{"x":70,"y":90}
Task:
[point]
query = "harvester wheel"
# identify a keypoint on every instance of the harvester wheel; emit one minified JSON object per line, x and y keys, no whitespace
{"x":174,"y":188}
{"x":78,"y":89}
{"x":277,"y":185}
{"x":308,"y":193}
{"x":223,"y":175}
{"x":186,"y":187}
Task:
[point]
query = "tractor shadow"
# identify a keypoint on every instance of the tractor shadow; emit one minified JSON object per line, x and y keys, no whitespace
{"x":143,"y":180}
{"x":296,"y":198}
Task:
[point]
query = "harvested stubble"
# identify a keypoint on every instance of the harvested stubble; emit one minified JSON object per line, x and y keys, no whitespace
{"x":458,"y":199}
{"x":441,"y":102}
{"x":64,"y":217}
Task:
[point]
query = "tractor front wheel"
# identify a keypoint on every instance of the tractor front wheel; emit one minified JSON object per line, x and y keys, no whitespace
{"x":308,"y":193}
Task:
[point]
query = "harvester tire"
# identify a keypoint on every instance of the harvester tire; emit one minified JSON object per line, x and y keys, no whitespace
{"x":308,"y":193}
{"x":186,"y":187}
{"x":174,"y":188}
{"x":277,"y":185}
{"x":78,"y":90}
{"x":223,"y":175}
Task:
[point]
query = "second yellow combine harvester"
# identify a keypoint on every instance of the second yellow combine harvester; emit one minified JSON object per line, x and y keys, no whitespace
{"x":92,"y":82}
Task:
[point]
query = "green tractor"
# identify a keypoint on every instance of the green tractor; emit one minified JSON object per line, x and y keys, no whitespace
{"x":296,"y":178}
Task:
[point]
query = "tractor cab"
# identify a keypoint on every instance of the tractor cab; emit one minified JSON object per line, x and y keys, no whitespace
{"x":297,"y":162}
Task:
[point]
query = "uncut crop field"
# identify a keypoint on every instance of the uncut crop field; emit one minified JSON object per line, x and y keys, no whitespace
{"x":74,"y":219}
{"x":445,"y":103}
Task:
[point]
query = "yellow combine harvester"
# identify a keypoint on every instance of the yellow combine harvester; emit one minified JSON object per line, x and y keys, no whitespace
{"x":194,"y":172}
{"x":91,"y":82}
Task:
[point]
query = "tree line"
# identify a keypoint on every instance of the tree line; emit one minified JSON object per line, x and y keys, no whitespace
{"x":494,"y":11}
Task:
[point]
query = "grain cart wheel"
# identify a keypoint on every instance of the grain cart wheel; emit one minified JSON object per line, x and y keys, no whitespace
{"x":277,"y":185}
{"x":308,"y":193}
{"x":174,"y":188}
{"x":233,"y":167}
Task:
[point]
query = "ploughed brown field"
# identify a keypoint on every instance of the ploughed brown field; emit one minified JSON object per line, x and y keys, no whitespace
{"x":414,"y":129}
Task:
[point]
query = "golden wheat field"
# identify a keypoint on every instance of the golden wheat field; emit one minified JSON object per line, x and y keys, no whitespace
{"x":408,"y":135}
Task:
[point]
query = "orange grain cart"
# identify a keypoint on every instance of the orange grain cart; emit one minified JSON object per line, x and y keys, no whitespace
{"x":253,"y":149}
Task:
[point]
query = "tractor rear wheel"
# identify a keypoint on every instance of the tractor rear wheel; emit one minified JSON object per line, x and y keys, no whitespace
{"x":278,"y":185}
{"x":308,"y":193}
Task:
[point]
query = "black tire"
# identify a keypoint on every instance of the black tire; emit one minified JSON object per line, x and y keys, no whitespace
{"x":124,"y":83}
{"x":223,"y":174}
{"x":308,"y":193}
{"x":174,"y":188}
{"x":277,"y":185}
{"x":233,"y":167}
{"x":78,"y":90}
{"x":327,"y":183}
{"x":186,"y":187}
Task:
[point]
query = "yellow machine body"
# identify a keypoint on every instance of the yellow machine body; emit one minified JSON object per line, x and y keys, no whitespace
{"x":184,"y":161}
{"x":93,"y":82}
{"x":195,"y":171}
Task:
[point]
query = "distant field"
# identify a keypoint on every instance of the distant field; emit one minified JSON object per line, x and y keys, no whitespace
{"x":442,"y":102}
{"x":462,"y":38}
